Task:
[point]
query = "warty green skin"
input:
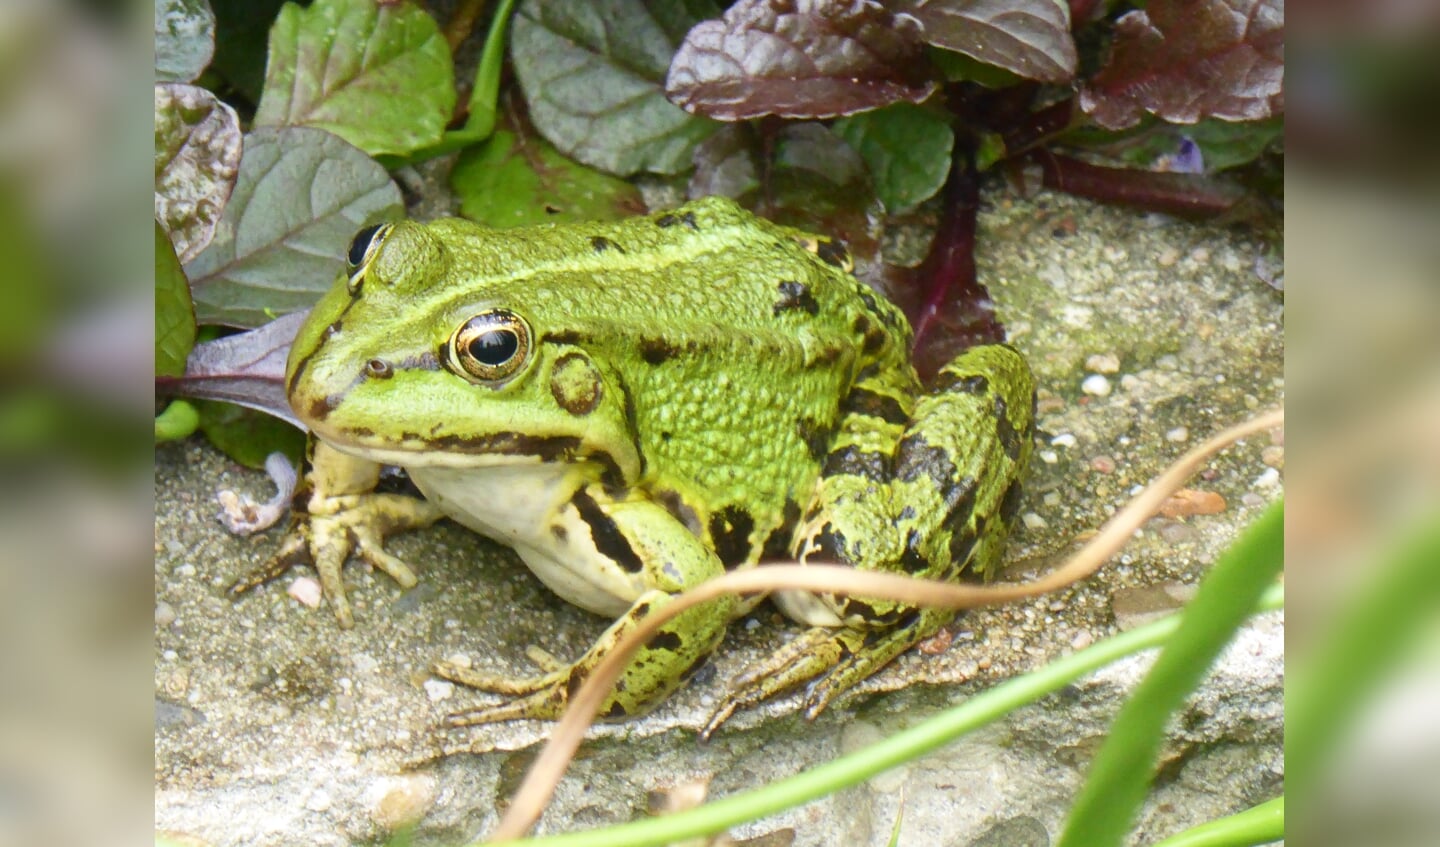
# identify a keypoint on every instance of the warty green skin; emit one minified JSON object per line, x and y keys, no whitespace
{"x":702,"y":390}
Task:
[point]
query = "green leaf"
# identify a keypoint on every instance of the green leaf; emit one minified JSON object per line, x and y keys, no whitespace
{"x":379,"y":77}
{"x":197,"y":156}
{"x":179,"y":420}
{"x":248,"y":436}
{"x":1223,"y":144}
{"x":509,"y":181}
{"x":1125,"y":764}
{"x":593,"y":75}
{"x":184,"y":39}
{"x":907,"y":149}
{"x":301,"y":195}
{"x":174,"y":314}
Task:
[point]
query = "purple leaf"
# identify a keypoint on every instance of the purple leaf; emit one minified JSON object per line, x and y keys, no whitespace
{"x":798,"y":59}
{"x":1030,"y":38}
{"x":1185,"y":60}
{"x":247,"y":368}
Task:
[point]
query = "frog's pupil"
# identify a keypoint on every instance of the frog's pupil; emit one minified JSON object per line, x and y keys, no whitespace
{"x":358,"y":247}
{"x":495,"y":347}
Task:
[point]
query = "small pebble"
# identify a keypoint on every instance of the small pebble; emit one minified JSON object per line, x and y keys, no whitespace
{"x":1081,"y":640}
{"x":1103,"y":363}
{"x":1129,"y":382}
{"x":306,"y":591}
{"x":1064,"y":439}
{"x":1190,"y":501}
{"x":1251,"y":500}
{"x":401,"y":801}
{"x":364,"y":662}
{"x":1051,"y":499}
{"x":459,"y":660}
{"x":1178,"y":434}
{"x":1269,"y":479}
{"x":319,"y":801}
{"x":1200,"y":255}
{"x":1274,"y":456}
{"x":438,"y":689}
{"x":1102,"y":464}
{"x":1049,"y":457}
{"x":164,"y":614}
{"x":1033,"y":521}
{"x":170,"y":655}
{"x":1175,"y":532}
{"x":186,"y":570}
{"x":1096,"y":386}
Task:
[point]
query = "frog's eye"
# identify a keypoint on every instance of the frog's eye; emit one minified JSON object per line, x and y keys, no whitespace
{"x":362,"y":250}
{"x":491,"y":346}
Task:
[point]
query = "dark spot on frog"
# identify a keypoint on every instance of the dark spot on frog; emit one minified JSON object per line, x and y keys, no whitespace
{"x":616,"y":711}
{"x":777,"y":543}
{"x":566,"y":336}
{"x":574,"y":681}
{"x":321,"y":407}
{"x":1005,"y":431}
{"x":559,"y":532}
{"x":869,"y":300}
{"x":730,"y":529}
{"x":962,"y":544}
{"x":962,"y":383}
{"x":916,"y":458}
{"x":816,"y":437}
{"x":907,"y":513}
{"x":795,"y":295}
{"x":576,"y":385}
{"x":672,"y":502}
{"x":657,"y":350}
{"x":866,"y":402}
{"x":426,"y":361}
{"x":853,"y":461}
{"x":833,"y":253}
{"x":665,"y":641}
{"x":667,"y":220}
{"x":600,"y":244}
{"x":1010,"y":503}
{"x":332,"y":330}
{"x":669,"y":569}
{"x":912,"y":560}
{"x":873,"y":338}
{"x":609,"y":541}
{"x":831,"y":545}
{"x":378,"y":369}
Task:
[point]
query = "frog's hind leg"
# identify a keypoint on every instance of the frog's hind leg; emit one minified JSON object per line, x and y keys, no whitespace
{"x":937,"y":498}
{"x":667,"y":559}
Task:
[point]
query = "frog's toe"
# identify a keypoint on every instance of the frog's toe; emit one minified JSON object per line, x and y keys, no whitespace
{"x":369,"y":545}
{"x":294,"y":550}
{"x":546,"y":704}
{"x":497,"y":683}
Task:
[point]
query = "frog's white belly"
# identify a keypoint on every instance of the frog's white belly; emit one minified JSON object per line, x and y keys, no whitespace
{"x":527,"y":507}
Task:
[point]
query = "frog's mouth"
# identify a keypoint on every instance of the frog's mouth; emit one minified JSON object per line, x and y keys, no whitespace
{"x":497,"y":449}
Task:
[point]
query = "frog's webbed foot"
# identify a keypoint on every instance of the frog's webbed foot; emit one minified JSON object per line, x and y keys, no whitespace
{"x":667,"y":660}
{"x":332,"y":531}
{"x":831,"y":660}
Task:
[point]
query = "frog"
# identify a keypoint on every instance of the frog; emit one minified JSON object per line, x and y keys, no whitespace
{"x":637,"y":407}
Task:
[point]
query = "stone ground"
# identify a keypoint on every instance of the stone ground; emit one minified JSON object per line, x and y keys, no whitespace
{"x":1147,"y":335}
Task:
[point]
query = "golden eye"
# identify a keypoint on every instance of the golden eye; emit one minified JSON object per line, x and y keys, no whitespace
{"x":489,"y":347}
{"x":362,"y":251}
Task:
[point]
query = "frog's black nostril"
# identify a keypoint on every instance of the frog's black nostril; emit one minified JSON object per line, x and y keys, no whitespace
{"x":378,"y":369}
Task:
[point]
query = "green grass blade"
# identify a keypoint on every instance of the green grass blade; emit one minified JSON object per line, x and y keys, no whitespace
{"x":1124,"y":766}
{"x":1362,"y":647}
{"x":1262,"y":824}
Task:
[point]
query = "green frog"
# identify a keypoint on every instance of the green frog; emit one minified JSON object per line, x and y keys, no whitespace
{"x":638,"y":407}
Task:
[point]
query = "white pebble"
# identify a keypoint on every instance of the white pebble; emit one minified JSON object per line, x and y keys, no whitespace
{"x":164,"y":614}
{"x":1096,"y":385}
{"x":1269,"y":479}
{"x":1103,"y":363}
{"x":1178,"y":434}
{"x":1130,"y":382}
{"x":306,"y":591}
{"x":186,"y":570}
{"x":364,"y":662}
{"x":438,"y":689}
{"x":1049,"y":457}
{"x":459,"y":660}
{"x":1033,"y":521}
{"x":1064,"y":439}
{"x":319,"y":801}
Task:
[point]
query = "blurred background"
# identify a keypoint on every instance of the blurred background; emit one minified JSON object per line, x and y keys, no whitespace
{"x":1363,"y":235}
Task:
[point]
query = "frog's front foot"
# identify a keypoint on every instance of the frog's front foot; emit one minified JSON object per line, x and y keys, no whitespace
{"x":332,"y":531}
{"x":831,"y":660}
